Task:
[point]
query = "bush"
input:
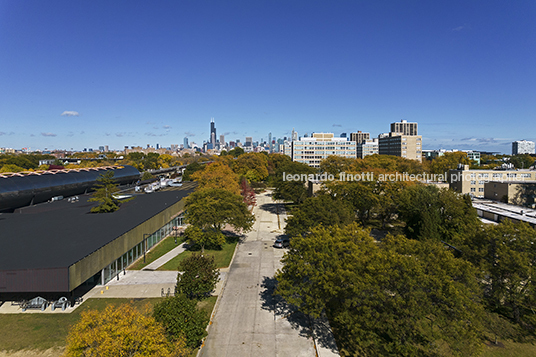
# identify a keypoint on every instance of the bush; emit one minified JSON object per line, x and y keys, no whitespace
{"x":199,"y":276}
{"x":180,"y":317}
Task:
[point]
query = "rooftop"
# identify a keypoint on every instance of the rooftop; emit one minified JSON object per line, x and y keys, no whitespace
{"x":60,"y":233}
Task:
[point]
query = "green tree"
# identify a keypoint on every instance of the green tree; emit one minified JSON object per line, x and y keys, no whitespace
{"x":104,"y":190}
{"x":334,"y":165}
{"x":291,"y":190}
{"x":197,"y":276}
{"x":507,"y":254}
{"x":523,"y":161}
{"x":190,"y":169}
{"x":236,"y":152}
{"x":213,"y":208}
{"x":449,"y":161}
{"x":320,"y":210}
{"x":439,"y":214}
{"x":180,"y":317}
{"x":121,"y":331}
{"x":399,"y":297}
{"x":211,"y":238}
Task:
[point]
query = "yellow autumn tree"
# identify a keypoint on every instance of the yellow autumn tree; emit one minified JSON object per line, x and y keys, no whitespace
{"x":253,"y":166}
{"x":217,"y":175}
{"x":121,"y":331}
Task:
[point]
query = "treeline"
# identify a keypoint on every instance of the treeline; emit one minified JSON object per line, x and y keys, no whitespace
{"x":434,"y":280}
{"x":142,"y":161}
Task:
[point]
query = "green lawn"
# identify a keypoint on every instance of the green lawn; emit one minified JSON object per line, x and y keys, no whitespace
{"x":221,"y":257}
{"x":510,"y":349}
{"x":156,"y":252}
{"x":43,"y":331}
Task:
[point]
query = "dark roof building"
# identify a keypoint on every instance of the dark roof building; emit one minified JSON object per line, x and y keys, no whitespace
{"x":55,"y":247}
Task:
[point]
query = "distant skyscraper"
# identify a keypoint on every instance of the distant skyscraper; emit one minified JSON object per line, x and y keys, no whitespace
{"x":157,"y":146}
{"x":294,"y":135}
{"x":186,"y":146}
{"x":249,"y":141}
{"x":523,"y":147}
{"x":270,"y":142}
{"x":212,"y":139}
{"x":222,"y":141}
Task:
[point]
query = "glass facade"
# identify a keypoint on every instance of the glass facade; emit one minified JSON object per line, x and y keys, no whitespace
{"x":121,"y":263}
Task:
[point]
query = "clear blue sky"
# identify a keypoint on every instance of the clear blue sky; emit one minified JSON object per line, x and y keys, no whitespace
{"x":147,"y":72}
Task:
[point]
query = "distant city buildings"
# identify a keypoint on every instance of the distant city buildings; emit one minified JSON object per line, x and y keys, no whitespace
{"x":523,"y":147}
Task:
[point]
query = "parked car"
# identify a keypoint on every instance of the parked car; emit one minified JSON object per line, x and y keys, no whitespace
{"x":282,"y":243}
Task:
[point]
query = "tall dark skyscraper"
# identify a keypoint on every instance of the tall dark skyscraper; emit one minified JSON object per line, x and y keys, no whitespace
{"x":212,"y":139}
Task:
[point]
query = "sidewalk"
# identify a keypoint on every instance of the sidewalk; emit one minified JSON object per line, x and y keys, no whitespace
{"x":166,"y":257}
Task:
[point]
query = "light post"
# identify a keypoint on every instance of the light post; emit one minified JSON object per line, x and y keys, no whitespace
{"x":145,"y":245}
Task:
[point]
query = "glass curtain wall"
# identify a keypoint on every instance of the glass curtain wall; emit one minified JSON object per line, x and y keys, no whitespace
{"x":120,"y":264}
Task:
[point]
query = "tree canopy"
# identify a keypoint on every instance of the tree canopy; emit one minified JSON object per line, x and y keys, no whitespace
{"x":212,"y":208}
{"x":398,"y":297}
{"x":104,"y":190}
{"x":321,"y":210}
{"x":217,"y":175}
{"x":181,"y":319}
{"x":197,"y":276}
{"x":121,"y":331}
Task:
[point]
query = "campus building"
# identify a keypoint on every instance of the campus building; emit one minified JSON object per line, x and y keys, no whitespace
{"x":367,"y":147}
{"x":403,"y":140}
{"x":397,"y":144}
{"x":59,"y":248}
{"x":319,"y":146}
{"x":473,"y":182}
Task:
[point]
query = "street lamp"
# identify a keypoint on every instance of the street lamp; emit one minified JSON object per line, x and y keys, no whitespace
{"x":145,"y":245}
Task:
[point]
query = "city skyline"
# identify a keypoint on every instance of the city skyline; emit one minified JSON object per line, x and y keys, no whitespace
{"x":78,"y":75}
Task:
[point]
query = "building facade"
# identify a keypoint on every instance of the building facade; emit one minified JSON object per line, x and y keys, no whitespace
{"x":523,"y":147}
{"x":473,"y":182}
{"x":319,"y":146}
{"x":359,"y":137}
{"x":404,"y":128}
{"x":367,"y":147}
{"x":406,"y":146}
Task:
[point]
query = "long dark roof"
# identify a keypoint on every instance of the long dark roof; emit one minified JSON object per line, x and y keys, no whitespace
{"x":58,"y":234}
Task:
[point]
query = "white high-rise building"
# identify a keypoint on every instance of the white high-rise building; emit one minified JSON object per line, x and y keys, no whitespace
{"x":523,"y":147}
{"x":319,"y":146}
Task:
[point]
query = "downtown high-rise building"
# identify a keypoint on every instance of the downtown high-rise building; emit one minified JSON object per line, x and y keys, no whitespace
{"x":212,"y":138}
{"x":186,"y":146}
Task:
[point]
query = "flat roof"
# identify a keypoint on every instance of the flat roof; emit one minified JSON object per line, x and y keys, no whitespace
{"x":60,"y":233}
{"x":515,"y":212}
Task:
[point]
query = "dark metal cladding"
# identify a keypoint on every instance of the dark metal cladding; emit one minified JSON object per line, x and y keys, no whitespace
{"x":20,"y":191}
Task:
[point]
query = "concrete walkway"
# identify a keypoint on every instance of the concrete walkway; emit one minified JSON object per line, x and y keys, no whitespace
{"x":249,"y":320}
{"x":166,"y":257}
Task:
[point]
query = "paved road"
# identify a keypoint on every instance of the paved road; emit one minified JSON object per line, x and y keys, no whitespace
{"x":249,"y":321}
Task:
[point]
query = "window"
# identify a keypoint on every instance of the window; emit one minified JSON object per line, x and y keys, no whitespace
{"x":512,"y":175}
{"x":473,"y":182}
{"x":497,"y":175}
{"x":481,"y":189}
{"x":473,"y":189}
{"x":481,"y":182}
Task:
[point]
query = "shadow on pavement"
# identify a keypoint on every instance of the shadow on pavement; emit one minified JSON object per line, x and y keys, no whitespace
{"x":270,"y":207}
{"x":298,"y":320}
